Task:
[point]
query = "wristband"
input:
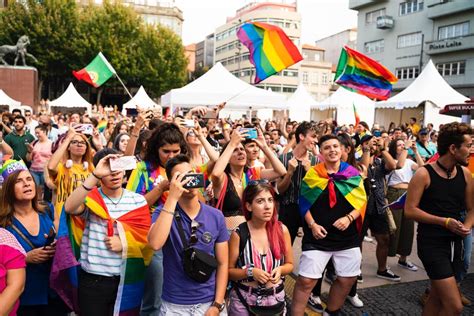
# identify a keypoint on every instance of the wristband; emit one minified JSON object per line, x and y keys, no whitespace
{"x":86,"y":188}
{"x":446,"y":222}
{"x":166,"y":211}
{"x":350,"y":218}
{"x":95,"y":176}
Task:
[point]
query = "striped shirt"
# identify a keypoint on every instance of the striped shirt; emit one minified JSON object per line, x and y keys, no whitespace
{"x":95,"y":257}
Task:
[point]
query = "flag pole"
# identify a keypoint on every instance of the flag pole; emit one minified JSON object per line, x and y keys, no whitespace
{"x":123,"y":85}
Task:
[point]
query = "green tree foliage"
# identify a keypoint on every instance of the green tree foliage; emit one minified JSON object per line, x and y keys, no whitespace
{"x":65,"y":37}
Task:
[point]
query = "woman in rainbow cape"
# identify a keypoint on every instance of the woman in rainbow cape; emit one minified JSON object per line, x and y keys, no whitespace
{"x":108,"y":237}
{"x":332,"y":202}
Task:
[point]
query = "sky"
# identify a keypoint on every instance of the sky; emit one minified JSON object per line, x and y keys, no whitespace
{"x":320,"y":18}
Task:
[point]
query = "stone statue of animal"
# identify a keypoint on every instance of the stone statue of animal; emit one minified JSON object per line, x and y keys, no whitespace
{"x":19,"y":50}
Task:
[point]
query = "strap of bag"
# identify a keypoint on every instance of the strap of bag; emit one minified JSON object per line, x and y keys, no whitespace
{"x":181,"y":230}
{"x":242,"y":299}
{"x":23,"y":236}
{"x":244,"y":234}
{"x":426,"y":149}
{"x":220,"y":201}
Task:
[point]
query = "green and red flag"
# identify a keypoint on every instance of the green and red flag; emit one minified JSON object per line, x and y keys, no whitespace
{"x":97,"y":72}
{"x":356,"y":115}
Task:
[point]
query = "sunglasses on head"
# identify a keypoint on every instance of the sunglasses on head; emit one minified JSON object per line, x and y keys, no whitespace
{"x":257,"y":182}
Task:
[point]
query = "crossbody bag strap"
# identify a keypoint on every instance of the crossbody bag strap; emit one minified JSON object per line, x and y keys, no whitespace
{"x":242,"y":299}
{"x":181,"y":230}
{"x":220,"y":201}
{"x":18,"y":231}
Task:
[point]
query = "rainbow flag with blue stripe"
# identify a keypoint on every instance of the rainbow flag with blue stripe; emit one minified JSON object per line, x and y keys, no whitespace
{"x":361,"y":74}
{"x":347,"y":180}
{"x":271,"y":50}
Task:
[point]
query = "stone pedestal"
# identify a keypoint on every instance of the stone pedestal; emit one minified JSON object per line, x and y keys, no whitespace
{"x":21,"y":84}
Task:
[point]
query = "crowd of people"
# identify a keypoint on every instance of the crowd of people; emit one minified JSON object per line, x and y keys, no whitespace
{"x":106,"y":214}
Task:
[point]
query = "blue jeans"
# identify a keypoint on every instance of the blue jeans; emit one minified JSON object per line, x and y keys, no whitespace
{"x":39,"y":178}
{"x":151,"y":303}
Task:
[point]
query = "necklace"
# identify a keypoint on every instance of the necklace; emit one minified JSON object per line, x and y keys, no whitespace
{"x":239,"y":184}
{"x":448,"y":171}
{"x":111,"y":201}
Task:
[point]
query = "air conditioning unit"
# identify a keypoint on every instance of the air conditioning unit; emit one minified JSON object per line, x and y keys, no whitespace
{"x":385,"y":22}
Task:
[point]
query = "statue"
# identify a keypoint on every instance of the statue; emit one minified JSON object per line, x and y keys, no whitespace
{"x":19,"y":50}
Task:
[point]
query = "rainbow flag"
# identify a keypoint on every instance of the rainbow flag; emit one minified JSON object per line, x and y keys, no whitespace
{"x":144,"y":178}
{"x":270,"y":48}
{"x":102,"y":126}
{"x":347,"y":180}
{"x":356,"y":115}
{"x":359,"y":73}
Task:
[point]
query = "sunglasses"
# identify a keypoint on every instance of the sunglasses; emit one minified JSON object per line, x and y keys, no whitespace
{"x":257,"y":182}
{"x":194,"y":228}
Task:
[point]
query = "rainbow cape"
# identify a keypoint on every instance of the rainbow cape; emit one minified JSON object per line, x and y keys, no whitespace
{"x":270,"y":48}
{"x":347,"y":180}
{"x":132,"y":228}
{"x":144,"y":178}
{"x":359,"y":73}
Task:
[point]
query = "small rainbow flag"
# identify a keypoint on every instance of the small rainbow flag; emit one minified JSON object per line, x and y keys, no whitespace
{"x":356,"y":115}
{"x":359,"y":73}
{"x":271,"y":50}
{"x":102,"y":126}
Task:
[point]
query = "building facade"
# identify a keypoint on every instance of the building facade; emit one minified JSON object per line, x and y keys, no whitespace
{"x":315,"y":73}
{"x":405,"y":35}
{"x":235,"y":57}
{"x":205,"y":53}
{"x":332,"y":44}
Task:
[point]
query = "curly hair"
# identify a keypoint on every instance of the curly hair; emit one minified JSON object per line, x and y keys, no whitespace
{"x":452,"y":134}
{"x":166,"y":134}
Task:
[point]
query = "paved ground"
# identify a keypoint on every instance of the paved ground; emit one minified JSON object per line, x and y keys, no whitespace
{"x":383,"y":297}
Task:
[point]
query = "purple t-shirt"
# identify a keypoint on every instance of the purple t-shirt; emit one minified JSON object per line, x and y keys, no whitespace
{"x":178,"y":288}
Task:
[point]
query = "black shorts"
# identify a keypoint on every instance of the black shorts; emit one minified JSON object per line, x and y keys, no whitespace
{"x":442,"y":257}
{"x":377,"y":223}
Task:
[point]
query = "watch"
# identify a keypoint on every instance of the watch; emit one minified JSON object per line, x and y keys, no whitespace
{"x":220,"y":307}
{"x":250,"y":272}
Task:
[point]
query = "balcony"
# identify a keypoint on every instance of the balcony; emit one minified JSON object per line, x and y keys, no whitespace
{"x":441,"y":8}
{"x":385,"y":22}
{"x":358,"y":4}
{"x":450,"y":45}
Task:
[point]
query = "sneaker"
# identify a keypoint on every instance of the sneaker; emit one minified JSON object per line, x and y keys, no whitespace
{"x":355,"y":301}
{"x":408,"y":265}
{"x":388,"y":275}
{"x":360,"y":279}
{"x":314,"y":303}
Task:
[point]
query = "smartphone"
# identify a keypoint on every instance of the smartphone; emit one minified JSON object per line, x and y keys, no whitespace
{"x":189,"y":123}
{"x":123,"y":163}
{"x":197,"y":181}
{"x":377,"y":133}
{"x":50,"y":238}
{"x":85,"y":129}
{"x":132,"y":112}
{"x":251,"y":133}
{"x":211,"y":114}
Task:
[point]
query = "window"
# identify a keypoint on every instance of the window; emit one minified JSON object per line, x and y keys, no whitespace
{"x":289,"y":89}
{"x":407,"y":72}
{"x":371,"y":17}
{"x":454,"y":68}
{"x":324,"y":78}
{"x":408,"y":40}
{"x":411,"y":7}
{"x":317,"y":57}
{"x":374,"y":47}
{"x":454,"y":30}
{"x":305,"y":77}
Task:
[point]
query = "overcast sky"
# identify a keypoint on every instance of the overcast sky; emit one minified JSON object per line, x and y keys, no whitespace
{"x":320,"y":18}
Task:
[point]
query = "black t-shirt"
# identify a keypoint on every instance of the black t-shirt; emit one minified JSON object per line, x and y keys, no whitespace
{"x":335,"y":239}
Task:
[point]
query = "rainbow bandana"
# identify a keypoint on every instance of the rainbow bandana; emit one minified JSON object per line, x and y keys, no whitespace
{"x":10,"y":166}
{"x":347,"y":180}
{"x":132,"y":228}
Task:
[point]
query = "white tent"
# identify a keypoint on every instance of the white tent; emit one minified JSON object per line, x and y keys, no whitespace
{"x":430,"y":89}
{"x":300,"y":103}
{"x":344,"y":102}
{"x":219,"y":85}
{"x":70,"y":99}
{"x":6,"y":100}
{"x":142,"y":100}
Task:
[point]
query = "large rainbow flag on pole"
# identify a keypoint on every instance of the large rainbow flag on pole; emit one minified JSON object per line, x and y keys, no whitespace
{"x":359,"y":73}
{"x":271,"y":50}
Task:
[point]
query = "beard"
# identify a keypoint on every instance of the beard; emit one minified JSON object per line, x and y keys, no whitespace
{"x":464,"y":162}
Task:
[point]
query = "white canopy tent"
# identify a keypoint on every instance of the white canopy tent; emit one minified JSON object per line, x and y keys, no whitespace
{"x":8,"y":101}
{"x":219,"y":85}
{"x":343,"y":101}
{"x":427,"y":94}
{"x":300,"y":103}
{"x":142,"y":100}
{"x":71,"y":99}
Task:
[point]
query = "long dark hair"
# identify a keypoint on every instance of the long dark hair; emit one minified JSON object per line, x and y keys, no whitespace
{"x":346,"y":141}
{"x":392,"y":147}
{"x":273,"y":227}
{"x":8,"y":199}
{"x":168,"y":133}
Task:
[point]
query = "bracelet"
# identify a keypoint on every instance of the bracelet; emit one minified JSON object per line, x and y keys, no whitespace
{"x":95,"y":176}
{"x":446,"y":222}
{"x":311,"y":224}
{"x":166,"y":211}
{"x":351,"y":219}
{"x":86,"y":188}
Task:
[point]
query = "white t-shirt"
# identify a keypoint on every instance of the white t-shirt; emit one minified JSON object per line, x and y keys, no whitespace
{"x":402,"y":175}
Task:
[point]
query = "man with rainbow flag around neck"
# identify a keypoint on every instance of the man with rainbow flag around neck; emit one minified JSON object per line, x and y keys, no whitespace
{"x":332,"y":202}
{"x":109,"y":230}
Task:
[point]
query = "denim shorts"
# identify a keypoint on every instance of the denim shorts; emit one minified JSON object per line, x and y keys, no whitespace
{"x":39,"y":178}
{"x":170,"y":309}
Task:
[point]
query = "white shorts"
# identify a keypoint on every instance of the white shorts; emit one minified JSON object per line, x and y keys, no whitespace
{"x":346,"y":262}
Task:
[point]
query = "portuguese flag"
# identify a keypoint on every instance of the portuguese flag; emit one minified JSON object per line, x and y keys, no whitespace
{"x":97,"y":72}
